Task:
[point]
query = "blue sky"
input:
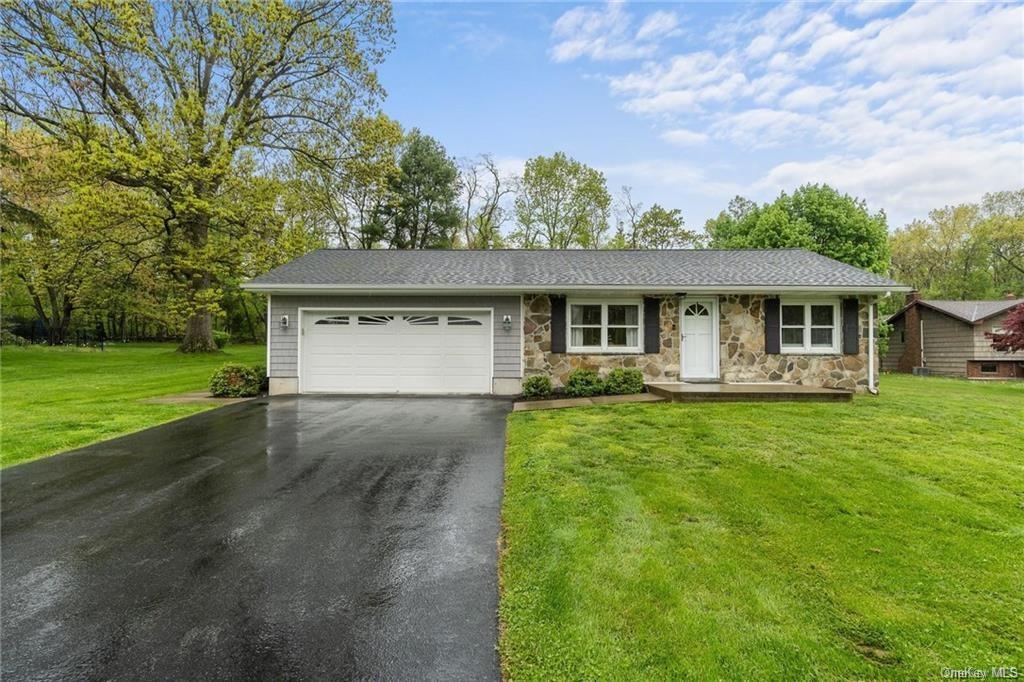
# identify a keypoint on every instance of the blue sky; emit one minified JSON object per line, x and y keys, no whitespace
{"x":909,"y":106}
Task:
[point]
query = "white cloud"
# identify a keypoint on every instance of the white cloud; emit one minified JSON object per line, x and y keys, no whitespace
{"x":909,"y":181}
{"x":666,"y":174}
{"x":765,"y":128}
{"x":908,"y":106}
{"x":867,"y":8}
{"x":682,"y":71}
{"x":664,"y":102}
{"x":684,"y":138}
{"x":595,"y":33}
{"x":782,"y":18}
{"x":809,"y":96}
{"x":761,"y":46}
{"x":659,"y":25}
{"x":605,"y":33}
{"x":479,"y":39}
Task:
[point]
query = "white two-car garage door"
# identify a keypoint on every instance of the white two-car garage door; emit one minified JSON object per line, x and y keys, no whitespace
{"x":418,"y":351}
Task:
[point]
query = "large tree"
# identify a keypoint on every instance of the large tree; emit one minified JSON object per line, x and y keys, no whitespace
{"x":969,"y":251}
{"x":484,"y":188}
{"x":1002,"y":229}
{"x":349,"y":198}
{"x":424,"y":211}
{"x":814,"y":217}
{"x":942,"y":256}
{"x":652,"y":228}
{"x":175,"y":97}
{"x":67,"y":237}
{"x":561,"y":203}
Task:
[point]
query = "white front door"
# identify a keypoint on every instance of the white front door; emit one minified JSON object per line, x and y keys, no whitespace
{"x":699,"y":321}
{"x":383,"y":351}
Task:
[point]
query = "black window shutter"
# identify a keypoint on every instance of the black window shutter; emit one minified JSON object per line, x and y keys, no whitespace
{"x":558,"y":324}
{"x":772,"y":331}
{"x":652,"y":325}
{"x":851,"y":326}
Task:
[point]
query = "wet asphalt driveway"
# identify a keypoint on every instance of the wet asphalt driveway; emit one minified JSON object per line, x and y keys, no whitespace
{"x":287,"y":538}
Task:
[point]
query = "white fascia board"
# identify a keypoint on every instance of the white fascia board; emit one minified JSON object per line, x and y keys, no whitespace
{"x":314,"y":289}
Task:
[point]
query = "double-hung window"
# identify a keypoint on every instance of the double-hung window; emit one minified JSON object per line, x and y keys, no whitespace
{"x":810,"y":326}
{"x":604,"y":327}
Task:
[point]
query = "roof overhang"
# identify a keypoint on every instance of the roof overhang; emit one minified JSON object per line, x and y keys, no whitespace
{"x":320,"y":289}
{"x":966,"y":320}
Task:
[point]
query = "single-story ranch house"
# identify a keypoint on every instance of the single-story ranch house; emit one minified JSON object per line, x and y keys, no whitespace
{"x":948,"y":338}
{"x":457,"y":321}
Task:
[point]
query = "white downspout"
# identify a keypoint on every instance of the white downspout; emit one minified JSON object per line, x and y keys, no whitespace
{"x":871,"y":348}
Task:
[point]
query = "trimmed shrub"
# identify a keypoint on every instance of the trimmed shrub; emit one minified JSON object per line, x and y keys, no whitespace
{"x":623,"y":381}
{"x":583,"y":383}
{"x":221,"y":338}
{"x":237,"y":381}
{"x":537,"y":386}
{"x":8,"y":338}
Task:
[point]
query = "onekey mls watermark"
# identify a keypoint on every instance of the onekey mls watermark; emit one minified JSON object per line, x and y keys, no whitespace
{"x":1004,"y":672}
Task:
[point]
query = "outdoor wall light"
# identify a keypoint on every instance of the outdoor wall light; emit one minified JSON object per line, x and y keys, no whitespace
{"x":506,"y":322}
{"x":284,"y":321}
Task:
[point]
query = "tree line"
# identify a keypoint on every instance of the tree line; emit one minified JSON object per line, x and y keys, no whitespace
{"x":156,"y":155}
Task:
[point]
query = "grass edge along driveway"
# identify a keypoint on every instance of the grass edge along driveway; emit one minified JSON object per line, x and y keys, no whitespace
{"x":882,"y":539}
{"x":57,"y":399}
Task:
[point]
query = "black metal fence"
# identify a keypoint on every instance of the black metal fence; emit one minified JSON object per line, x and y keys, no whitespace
{"x":34,"y":332}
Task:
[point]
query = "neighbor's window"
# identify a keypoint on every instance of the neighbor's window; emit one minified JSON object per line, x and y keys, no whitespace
{"x":989,"y":368}
{"x":604,"y":327}
{"x":810,"y":327}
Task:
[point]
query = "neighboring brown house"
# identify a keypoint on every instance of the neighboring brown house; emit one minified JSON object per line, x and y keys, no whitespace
{"x":948,"y":338}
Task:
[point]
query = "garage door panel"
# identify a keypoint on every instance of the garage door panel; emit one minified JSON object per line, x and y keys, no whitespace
{"x":462,"y":344}
{"x":386,"y":352}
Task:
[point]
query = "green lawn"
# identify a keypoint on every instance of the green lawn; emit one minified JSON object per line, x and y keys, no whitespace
{"x":882,"y":538}
{"x":54,"y":399}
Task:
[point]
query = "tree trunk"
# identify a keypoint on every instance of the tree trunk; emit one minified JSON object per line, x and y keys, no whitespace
{"x":199,"y":334}
{"x":199,"y":329}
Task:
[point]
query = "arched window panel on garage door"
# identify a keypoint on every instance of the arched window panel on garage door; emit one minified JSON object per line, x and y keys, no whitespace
{"x":333,"y":319}
{"x":462,"y":321}
{"x":375,"y":320}
{"x":422,"y":320}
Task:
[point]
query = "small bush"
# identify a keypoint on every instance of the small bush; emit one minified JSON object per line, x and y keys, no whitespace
{"x":623,"y":381}
{"x":237,"y":381}
{"x":8,"y":338}
{"x":583,"y":383}
{"x":221,"y":338}
{"x":264,"y":379}
{"x":537,"y":386}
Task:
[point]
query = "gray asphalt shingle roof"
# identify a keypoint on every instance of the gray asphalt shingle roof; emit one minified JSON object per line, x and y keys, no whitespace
{"x":567,"y":268}
{"x":969,"y":311}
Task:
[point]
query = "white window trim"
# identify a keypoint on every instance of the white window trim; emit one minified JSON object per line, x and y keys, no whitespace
{"x":807,"y":348}
{"x":604,"y":348}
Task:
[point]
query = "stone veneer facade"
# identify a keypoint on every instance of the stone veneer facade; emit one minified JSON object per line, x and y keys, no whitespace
{"x":538,"y":358}
{"x":742,"y":356}
{"x":741,"y":334}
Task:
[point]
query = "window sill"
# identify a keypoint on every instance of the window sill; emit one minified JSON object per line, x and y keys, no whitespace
{"x":816,"y":351}
{"x":604,"y":351}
